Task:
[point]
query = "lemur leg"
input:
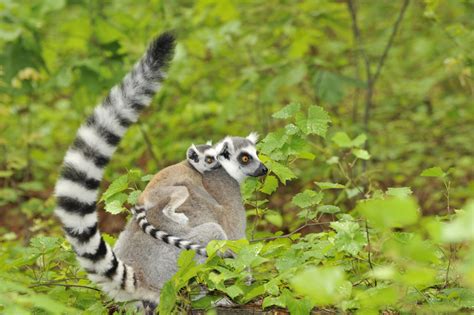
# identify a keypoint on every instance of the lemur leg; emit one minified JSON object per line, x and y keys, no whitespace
{"x":178,"y":196}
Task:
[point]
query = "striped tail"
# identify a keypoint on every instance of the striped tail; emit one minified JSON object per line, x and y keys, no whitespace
{"x":140,"y":216}
{"x":83,"y":167}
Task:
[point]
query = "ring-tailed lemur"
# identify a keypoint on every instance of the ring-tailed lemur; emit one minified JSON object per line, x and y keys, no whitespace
{"x":78,"y":185}
{"x":214,"y":208}
{"x":203,"y":158}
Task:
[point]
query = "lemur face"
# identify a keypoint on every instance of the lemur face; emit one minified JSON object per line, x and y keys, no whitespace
{"x":238,"y":156}
{"x":202,"y":158}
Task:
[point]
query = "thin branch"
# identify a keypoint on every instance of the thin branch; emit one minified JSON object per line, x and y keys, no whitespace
{"x":358,"y":40}
{"x":293,"y":232}
{"x":369,"y":250}
{"x":49,"y":284}
{"x":395,"y":28}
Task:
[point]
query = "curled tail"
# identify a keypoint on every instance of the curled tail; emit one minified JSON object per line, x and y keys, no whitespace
{"x":140,"y":216}
{"x":83,"y":166}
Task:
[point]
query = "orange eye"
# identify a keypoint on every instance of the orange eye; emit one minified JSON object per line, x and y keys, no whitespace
{"x":245,"y":158}
{"x":209,"y":160}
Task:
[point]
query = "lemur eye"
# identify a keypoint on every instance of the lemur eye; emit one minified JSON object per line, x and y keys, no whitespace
{"x":245,"y":158}
{"x":209,"y":159}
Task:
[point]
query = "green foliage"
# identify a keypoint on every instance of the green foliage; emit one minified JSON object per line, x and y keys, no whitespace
{"x":371,"y":215}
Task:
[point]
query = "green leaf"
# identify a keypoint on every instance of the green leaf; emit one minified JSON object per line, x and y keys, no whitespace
{"x":277,"y":301}
{"x":399,"y":192}
{"x":329,"y":86}
{"x":461,"y":228}
{"x":307,"y":198}
{"x":389,"y":213}
{"x":133,"y":197}
{"x":328,"y":185}
{"x":274,"y":218}
{"x":318,"y":121}
{"x":270,"y":185}
{"x":323,"y":285}
{"x":167,"y":298}
{"x":361,"y":154}
{"x":433,"y":172}
{"x":281,"y":171}
{"x":328,"y":209}
{"x":233,"y":291}
{"x":349,"y":238}
{"x":287,"y":111}
{"x":359,"y":140}
{"x":147,"y":178}
{"x":118,"y":185}
{"x":342,"y":140}
{"x":114,"y":207}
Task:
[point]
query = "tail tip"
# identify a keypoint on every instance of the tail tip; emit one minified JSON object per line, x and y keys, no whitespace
{"x":161,"y":49}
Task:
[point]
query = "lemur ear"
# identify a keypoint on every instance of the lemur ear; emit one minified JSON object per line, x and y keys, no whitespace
{"x":253,"y":137}
{"x":223,"y":148}
{"x":209,"y":142}
{"x":192,"y":153}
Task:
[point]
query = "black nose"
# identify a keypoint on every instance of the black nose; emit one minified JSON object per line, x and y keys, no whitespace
{"x":260,"y":171}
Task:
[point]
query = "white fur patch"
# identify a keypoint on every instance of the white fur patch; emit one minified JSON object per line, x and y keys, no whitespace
{"x":96,"y":141}
{"x":253,"y":137}
{"x":89,"y":247}
{"x":76,"y":222}
{"x":68,"y":188}
{"x":81,"y":163}
{"x":105,"y":117}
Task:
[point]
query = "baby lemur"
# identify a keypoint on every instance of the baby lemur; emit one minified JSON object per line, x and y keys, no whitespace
{"x":140,"y":264}
{"x":202,"y":158}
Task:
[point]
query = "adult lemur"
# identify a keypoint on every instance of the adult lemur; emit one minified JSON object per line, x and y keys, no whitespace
{"x":120,"y":275}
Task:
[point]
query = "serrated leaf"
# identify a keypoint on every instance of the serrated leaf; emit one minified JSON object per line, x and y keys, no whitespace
{"x":328,"y":185}
{"x":349,"y":237}
{"x":270,"y":185}
{"x":291,"y":129}
{"x":281,"y":171}
{"x":273,"y":141}
{"x":287,"y":111}
{"x":114,"y":207}
{"x":118,"y":185}
{"x":433,"y":172}
{"x":133,"y":197}
{"x":361,"y":154}
{"x":318,"y":121}
{"x":307,"y":198}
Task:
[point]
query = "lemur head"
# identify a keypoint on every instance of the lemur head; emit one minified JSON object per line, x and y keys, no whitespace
{"x":238,"y":156}
{"x":202,"y":157}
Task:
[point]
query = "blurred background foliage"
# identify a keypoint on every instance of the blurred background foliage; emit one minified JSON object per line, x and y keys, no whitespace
{"x":399,"y":73}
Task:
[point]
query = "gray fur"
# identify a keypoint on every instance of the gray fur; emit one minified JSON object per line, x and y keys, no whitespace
{"x":214,"y":208}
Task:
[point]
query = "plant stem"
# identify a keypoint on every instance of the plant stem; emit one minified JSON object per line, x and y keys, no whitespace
{"x":369,"y":250}
{"x":49,"y":284}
